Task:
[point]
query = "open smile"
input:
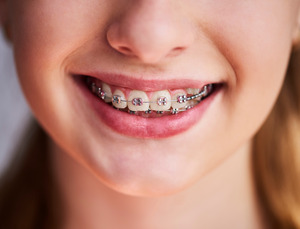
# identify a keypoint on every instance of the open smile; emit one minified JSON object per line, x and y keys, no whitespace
{"x":147,"y":114}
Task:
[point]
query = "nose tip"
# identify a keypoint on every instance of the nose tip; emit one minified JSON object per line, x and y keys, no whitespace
{"x":148,"y":35}
{"x":147,"y":48}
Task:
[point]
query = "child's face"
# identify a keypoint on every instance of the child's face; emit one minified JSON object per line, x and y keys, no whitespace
{"x":150,"y":46}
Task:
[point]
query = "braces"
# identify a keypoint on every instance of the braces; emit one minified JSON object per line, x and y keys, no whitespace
{"x":162,"y":101}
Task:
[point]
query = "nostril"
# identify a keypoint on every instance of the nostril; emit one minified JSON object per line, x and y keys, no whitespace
{"x":176,"y":51}
{"x":125,"y":50}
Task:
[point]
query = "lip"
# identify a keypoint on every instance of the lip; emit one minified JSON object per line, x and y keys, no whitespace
{"x":138,"y":126}
{"x":125,"y":81}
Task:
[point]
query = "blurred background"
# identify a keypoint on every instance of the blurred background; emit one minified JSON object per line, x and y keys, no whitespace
{"x":14,"y":112}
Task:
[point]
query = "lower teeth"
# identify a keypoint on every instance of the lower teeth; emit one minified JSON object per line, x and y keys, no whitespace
{"x":192,"y":101}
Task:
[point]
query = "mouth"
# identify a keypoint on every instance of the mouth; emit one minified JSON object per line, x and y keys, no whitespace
{"x":149,"y":104}
{"x":147,"y":113}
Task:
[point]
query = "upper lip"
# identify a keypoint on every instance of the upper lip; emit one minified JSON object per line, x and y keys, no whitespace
{"x":139,"y":83}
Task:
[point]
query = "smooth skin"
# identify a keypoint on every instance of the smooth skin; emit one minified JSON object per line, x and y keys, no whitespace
{"x":198,"y":179}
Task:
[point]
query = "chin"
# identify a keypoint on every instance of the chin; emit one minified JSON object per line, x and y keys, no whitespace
{"x":136,"y":175}
{"x":147,"y":188}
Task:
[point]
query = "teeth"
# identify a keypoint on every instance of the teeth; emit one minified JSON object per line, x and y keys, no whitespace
{"x":93,"y":88}
{"x":178,"y":100}
{"x":138,"y":101}
{"x":192,"y":91}
{"x":161,"y":101}
{"x":118,"y":99}
{"x":174,"y":111}
{"x":108,"y":95}
{"x":192,"y":103}
{"x":207,"y":89}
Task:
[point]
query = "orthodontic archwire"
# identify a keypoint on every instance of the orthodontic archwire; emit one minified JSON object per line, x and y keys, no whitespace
{"x":162,"y":101}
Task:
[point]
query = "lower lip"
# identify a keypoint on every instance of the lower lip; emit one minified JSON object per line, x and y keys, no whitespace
{"x":141,"y":127}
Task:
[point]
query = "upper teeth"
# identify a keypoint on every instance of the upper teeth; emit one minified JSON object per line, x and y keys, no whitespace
{"x":119,"y":100}
{"x":160,"y":100}
{"x":179,"y":100}
{"x":108,"y":95}
{"x":138,"y":101}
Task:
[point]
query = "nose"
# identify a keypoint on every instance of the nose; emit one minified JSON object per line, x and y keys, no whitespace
{"x":150,"y":31}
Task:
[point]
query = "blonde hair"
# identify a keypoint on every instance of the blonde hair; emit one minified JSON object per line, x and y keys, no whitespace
{"x":276,"y":154}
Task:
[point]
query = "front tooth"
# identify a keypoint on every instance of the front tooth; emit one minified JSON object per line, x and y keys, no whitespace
{"x":108,"y":95}
{"x":193,"y":91}
{"x":175,"y":97}
{"x":138,"y":101}
{"x":118,"y":95}
{"x":161,"y":101}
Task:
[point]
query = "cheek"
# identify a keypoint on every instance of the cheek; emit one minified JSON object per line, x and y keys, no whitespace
{"x":45,"y":33}
{"x":258,"y":48}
